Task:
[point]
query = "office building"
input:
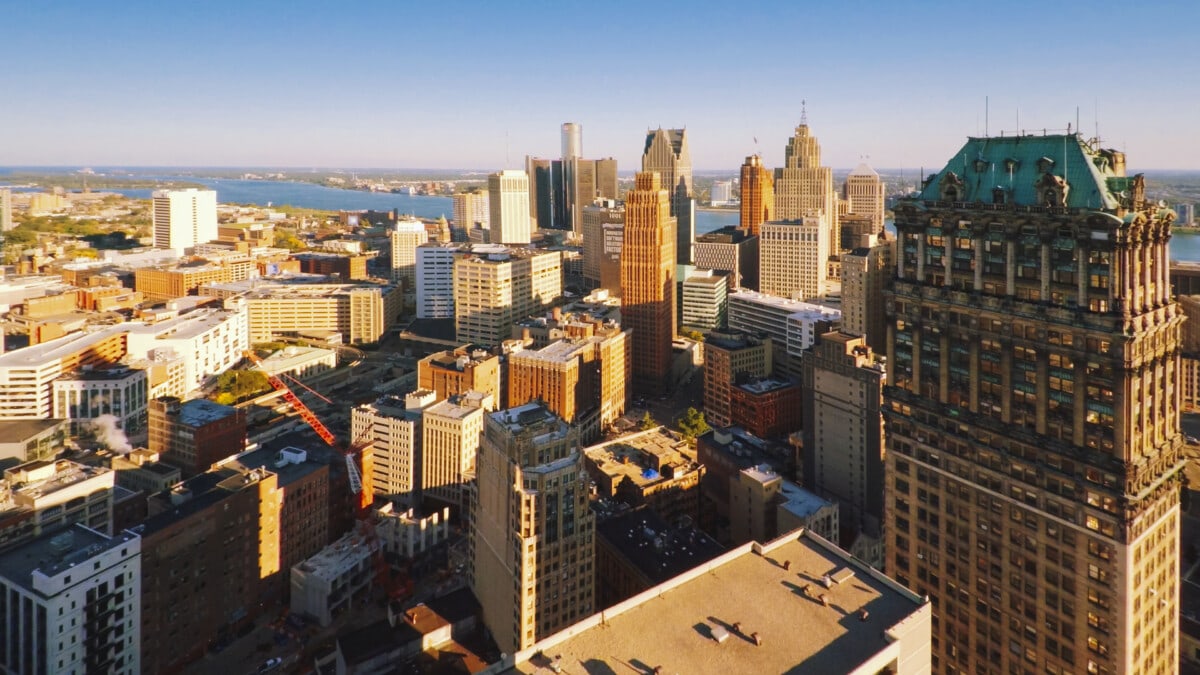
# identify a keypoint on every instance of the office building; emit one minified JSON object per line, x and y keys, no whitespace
{"x":408,"y":534}
{"x":731,"y":250}
{"x":751,"y":610}
{"x":793,"y":258}
{"x":596,"y":314}
{"x":471,"y":208}
{"x":85,"y":395}
{"x":31,"y":440}
{"x":494,"y":287}
{"x":792,"y":325}
{"x":766,"y":407}
{"x":758,"y":196}
{"x":763,"y":505}
{"x":347,"y":267}
{"x":175,"y":281}
{"x":508,"y":206}
{"x":729,"y":357}
{"x":532,"y":536}
{"x":457,"y":371}
{"x":572,"y":140}
{"x":48,"y":495}
{"x":656,"y":468}
{"x":843,"y":435}
{"x":193,"y":435}
{"x":27,"y":374}
{"x":1185,"y":214}
{"x":804,"y":188}
{"x":435,"y":280}
{"x":451,"y":432}
{"x":704,"y":301}
{"x":72,"y":604}
{"x":603,"y":237}
{"x":6,"y":209}
{"x":141,"y":471}
{"x":581,"y":379}
{"x":183,"y":218}
{"x":865,"y":274}
{"x":1032,"y":407}
{"x":209,"y":341}
{"x":358,"y":312}
{"x":648,"y":281}
{"x":721,"y":193}
{"x":221,"y":531}
{"x":301,"y":363}
{"x":541,"y":191}
{"x":408,"y":235}
{"x":863,"y":193}
{"x":393,"y":424}
{"x":666,"y":153}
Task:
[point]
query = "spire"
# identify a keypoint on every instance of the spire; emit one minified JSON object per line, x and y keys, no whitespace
{"x":803,"y":112}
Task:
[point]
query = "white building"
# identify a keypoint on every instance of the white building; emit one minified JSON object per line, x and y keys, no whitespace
{"x":43,"y":496}
{"x":793,"y":257}
{"x":435,"y":280}
{"x":471,"y":208}
{"x":119,"y":391}
{"x":408,"y":235}
{"x":508,"y":204}
{"x":451,"y":432}
{"x":210,"y":341}
{"x":394,"y":425}
{"x":184,"y":218}
{"x":73,"y":604}
{"x":704,"y":300}
{"x":331,"y":579}
{"x":302,"y":363}
{"x":407,"y":535}
{"x":27,"y":374}
{"x":792,"y":324}
{"x":721,"y":193}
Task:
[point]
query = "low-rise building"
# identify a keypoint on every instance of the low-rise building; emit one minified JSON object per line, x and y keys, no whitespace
{"x":302,"y":363}
{"x":655,"y":468}
{"x":30,"y":440}
{"x":453,"y":372}
{"x":142,"y":471}
{"x":118,"y":391}
{"x":729,"y":357}
{"x":408,"y":534}
{"x":72,"y":604}
{"x":47,"y":495}
{"x":766,"y":407}
{"x":327,"y":582}
{"x":194,"y":435}
{"x":762,"y":505}
{"x":792,"y":325}
{"x":210,"y":340}
{"x":27,"y":374}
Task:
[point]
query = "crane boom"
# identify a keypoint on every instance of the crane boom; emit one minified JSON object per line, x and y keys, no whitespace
{"x":310,"y":418}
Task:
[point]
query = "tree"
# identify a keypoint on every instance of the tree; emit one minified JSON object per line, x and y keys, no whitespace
{"x":692,"y":424}
{"x":648,"y":422}
{"x":241,"y":384}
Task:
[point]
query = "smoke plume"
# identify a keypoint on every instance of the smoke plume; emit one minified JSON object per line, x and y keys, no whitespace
{"x":108,"y":433}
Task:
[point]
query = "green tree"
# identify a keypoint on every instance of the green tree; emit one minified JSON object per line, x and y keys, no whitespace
{"x":692,"y":424}
{"x":242,"y":384}
{"x":648,"y":422}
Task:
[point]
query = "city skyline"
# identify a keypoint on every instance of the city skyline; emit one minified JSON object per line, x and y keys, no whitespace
{"x":225,"y":86}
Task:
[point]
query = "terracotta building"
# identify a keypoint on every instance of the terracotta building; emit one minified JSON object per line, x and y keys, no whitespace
{"x":648,"y":282}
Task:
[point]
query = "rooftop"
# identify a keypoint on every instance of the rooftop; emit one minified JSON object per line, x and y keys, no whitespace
{"x":704,"y":620}
{"x":67,"y":345}
{"x":730,"y":234}
{"x":198,"y":494}
{"x":51,"y":554}
{"x":524,"y":417}
{"x":294,"y":356}
{"x":200,"y":411}
{"x":778,"y":303}
{"x":294,"y":287}
{"x":18,"y":431}
{"x":765,"y":385}
{"x":185,"y":326}
{"x":289,"y":464}
{"x":336,"y":559}
{"x":33,"y":480}
{"x":641,"y":457}
{"x":657,"y":549}
{"x":801,"y":502}
{"x":110,"y":373}
{"x":457,"y":407}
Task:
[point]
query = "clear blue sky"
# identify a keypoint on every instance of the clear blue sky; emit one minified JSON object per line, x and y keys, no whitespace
{"x":465,"y":85}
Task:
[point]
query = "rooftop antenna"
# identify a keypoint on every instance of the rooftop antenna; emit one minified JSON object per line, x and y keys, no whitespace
{"x":803,"y":112}
{"x":1077,"y":119}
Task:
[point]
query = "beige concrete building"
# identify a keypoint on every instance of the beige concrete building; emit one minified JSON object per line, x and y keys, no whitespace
{"x":532,"y":539}
{"x":408,"y":235}
{"x":575,"y":377}
{"x":863,"y":193}
{"x":793,"y":257}
{"x":759,"y":608}
{"x":804,"y":188}
{"x":865,"y":273}
{"x":508,"y":206}
{"x":730,"y":250}
{"x":648,"y":281}
{"x":667,"y":154}
{"x":451,"y":432}
{"x":603,"y":236}
{"x":493,"y":290}
{"x":1034,"y":448}
{"x":727,"y":358}
{"x":46,"y":495}
{"x":471,"y":208}
{"x":394,"y":427}
{"x":656,"y":468}
{"x":457,"y":371}
{"x":27,"y":375}
{"x":360,"y":312}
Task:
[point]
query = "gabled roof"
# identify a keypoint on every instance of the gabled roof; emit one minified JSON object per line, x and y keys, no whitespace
{"x":864,"y":169}
{"x":1017,"y":163}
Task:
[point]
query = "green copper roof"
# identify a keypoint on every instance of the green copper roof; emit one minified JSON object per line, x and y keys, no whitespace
{"x":1022,"y":167}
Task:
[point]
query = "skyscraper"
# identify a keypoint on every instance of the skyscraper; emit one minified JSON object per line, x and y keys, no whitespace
{"x":541,"y":191}
{"x":805,"y":188}
{"x":758,"y":195}
{"x":508,"y":201}
{"x":667,"y":153}
{"x":648,"y":282}
{"x":1032,"y":407}
{"x":531,"y":531}
{"x":408,"y":235}
{"x":572,"y":152}
{"x":793,"y":256}
{"x":6,"y":221}
{"x":494,"y":287}
{"x":865,"y":273}
{"x":184,"y":218}
{"x":864,"y":191}
{"x":471,"y":208}
{"x":603,"y":234}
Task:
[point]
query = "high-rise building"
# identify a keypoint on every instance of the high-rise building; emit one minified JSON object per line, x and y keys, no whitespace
{"x":758,"y":195}
{"x":451,"y":432}
{"x":72,"y":604}
{"x":648,"y":281}
{"x":1186,"y":214}
{"x":471,"y":208}
{"x":729,"y":357}
{"x":607,"y":186}
{"x":865,"y":273}
{"x":603,"y":236}
{"x":843,"y":436}
{"x":667,"y":153}
{"x":793,"y":258}
{"x":193,"y":435}
{"x":435,"y":280}
{"x":408,"y":235}
{"x":721,"y":193}
{"x":572,"y":141}
{"x":394,"y":426}
{"x":184,"y":218}
{"x":704,"y":301}
{"x":532,"y":531}
{"x":494,"y":286}
{"x":792,"y":325}
{"x":803,"y":187}
{"x":731,"y":250}
{"x":508,"y":207}
{"x":541,"y":191}
{"x":456,"y":371}
{"x":1032,"y":408}
{"x":6,"y":220}
{"x":863,"y":191}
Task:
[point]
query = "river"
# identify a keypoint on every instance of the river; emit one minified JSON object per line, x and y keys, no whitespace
{"x":1183,"y":247}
